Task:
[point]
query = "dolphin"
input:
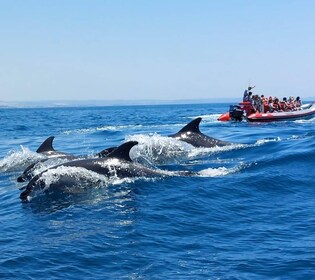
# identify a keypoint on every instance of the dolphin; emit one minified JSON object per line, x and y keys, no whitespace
{"x":192,"y":135}
{"x":47,"y":149}
{"x":118,"y":163}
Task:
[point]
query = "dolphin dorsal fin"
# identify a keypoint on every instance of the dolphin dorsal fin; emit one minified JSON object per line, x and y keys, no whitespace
{"x":193,"y":126}
{"x":122,"y":152}
{"x":46,"y":146}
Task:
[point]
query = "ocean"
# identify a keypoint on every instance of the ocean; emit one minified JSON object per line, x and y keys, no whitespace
{"x":249,"y":214}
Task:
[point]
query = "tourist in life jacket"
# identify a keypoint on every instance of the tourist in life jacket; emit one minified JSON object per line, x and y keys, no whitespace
{"x":273,"y":105}
{"x":284,"y":104}
{"x":276,"y":105}
{"x":264,"y":101}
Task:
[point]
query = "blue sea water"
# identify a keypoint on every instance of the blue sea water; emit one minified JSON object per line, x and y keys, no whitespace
{"x":249,"y":215}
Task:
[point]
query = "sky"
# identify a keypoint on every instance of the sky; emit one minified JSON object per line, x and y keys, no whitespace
{"x":157,"y":49}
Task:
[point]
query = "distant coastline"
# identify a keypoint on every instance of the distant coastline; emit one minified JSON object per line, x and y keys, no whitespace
{"x":84,"y":103}
{"x":93,"y":103}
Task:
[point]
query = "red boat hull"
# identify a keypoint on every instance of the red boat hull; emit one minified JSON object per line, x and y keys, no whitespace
{"x":224,"y":117}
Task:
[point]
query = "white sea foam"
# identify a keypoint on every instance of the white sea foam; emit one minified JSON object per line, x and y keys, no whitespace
{"x":312,"y":120}
{"x":222,"y":171}
{"x":156,"y":149}
{"x":18,"y":160}
{"x":214,"y":172}
{"x":43,"y":165}
{"x":78,"y":174}
{"x":197,"y":152}
{"x":264,"y":141}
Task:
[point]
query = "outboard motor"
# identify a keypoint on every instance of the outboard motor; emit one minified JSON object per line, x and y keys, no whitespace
{"x":236,"y":113}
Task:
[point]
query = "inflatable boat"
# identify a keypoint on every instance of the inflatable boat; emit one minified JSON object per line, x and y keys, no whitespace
{"x":241,"y":112}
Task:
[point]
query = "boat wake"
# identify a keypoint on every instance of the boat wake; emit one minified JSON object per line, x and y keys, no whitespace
{"x":311,"y":120}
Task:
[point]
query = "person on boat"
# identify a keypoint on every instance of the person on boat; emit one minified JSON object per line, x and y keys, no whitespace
{"x":263,"y":98}
{"x":298,"y":102}
{"x":273,"y":105}
{"x":270,"y":105}
{"x":257,"y":104}
{"x":276,"y":105}
{"x":260,"y":104}
{"x":291,"y":104}
{"x":284,"y":104}
{"x":249,"y":97}
{"x":246,"y":94}
{"x":264,"y":101}
{"x":253,"y":104}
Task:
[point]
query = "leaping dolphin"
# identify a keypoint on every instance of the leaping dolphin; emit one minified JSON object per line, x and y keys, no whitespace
{"x":118,"y":163}
{"x":192,"y":135}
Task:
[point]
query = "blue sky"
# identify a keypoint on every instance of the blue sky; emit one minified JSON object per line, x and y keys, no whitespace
{"x":167,"y":49}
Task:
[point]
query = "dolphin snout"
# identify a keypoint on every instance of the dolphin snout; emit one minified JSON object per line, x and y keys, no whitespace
{"x":24,"y":195}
